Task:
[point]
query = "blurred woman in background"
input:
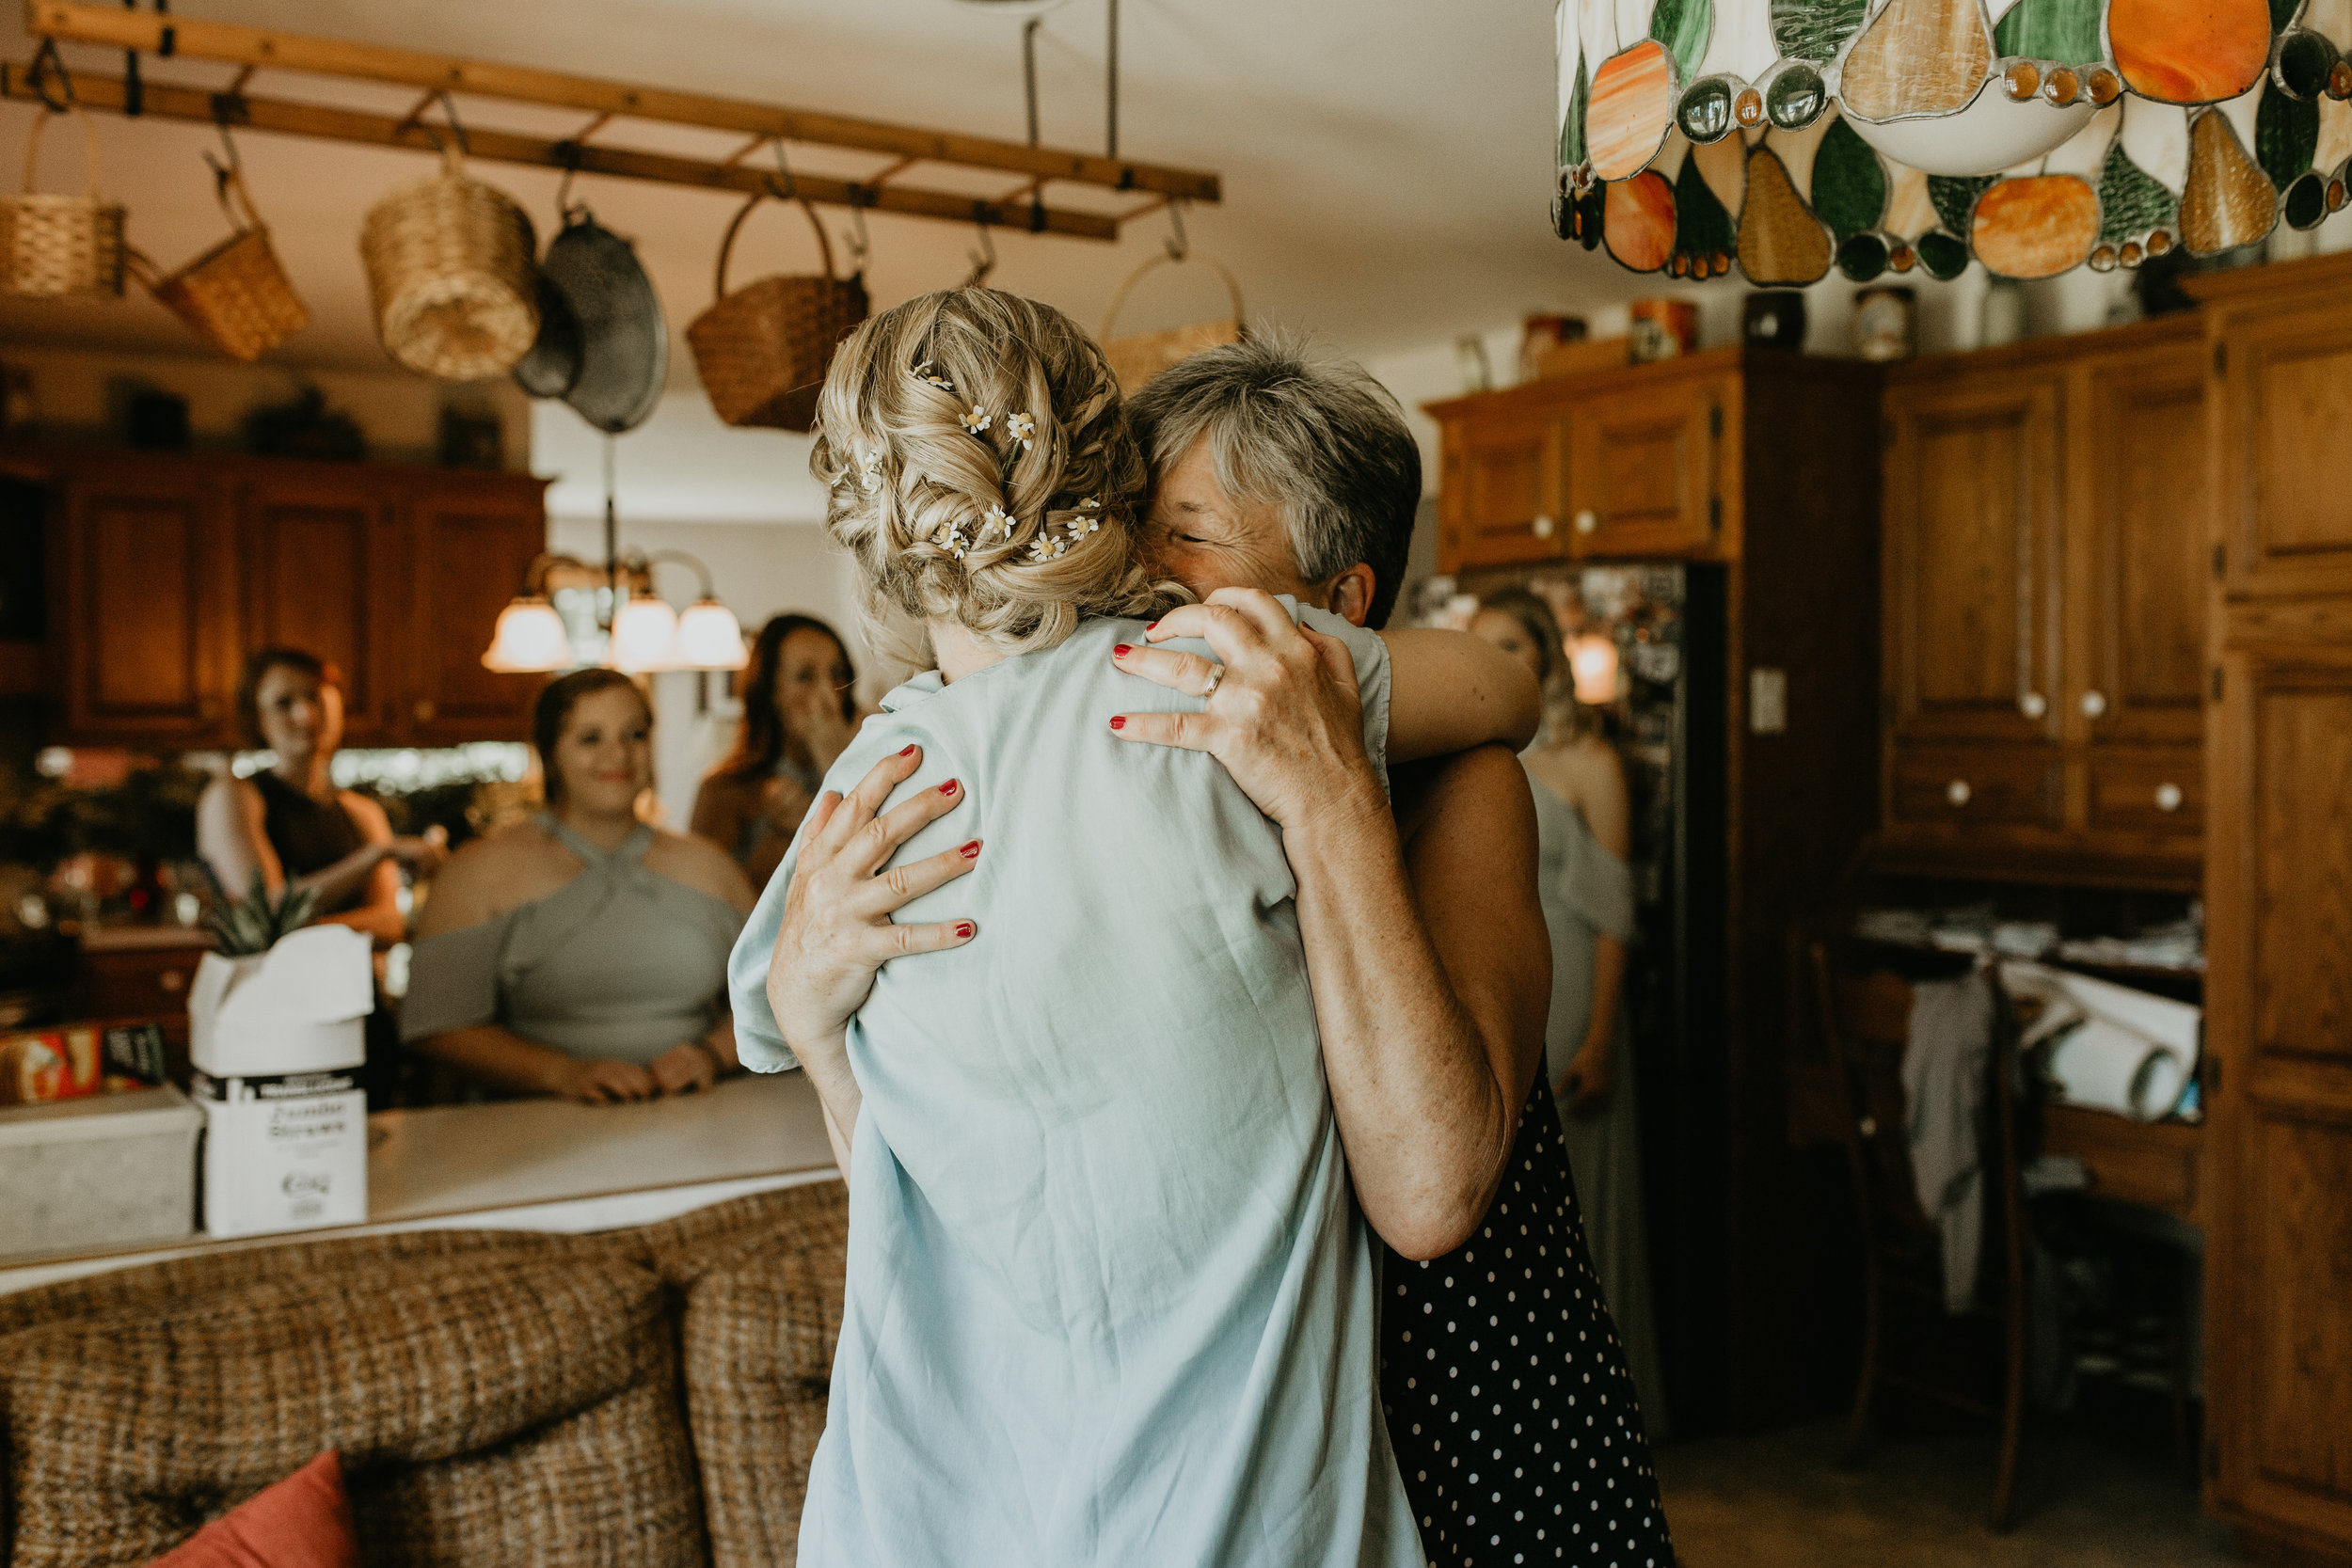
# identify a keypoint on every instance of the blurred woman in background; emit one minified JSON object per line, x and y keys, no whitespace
{"x":582,"y":953}
{"x":800,"y":709}
{"x":290,"y":823}
{"x":1583,"y":823}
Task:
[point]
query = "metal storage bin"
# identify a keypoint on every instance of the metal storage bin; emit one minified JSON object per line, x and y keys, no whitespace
{"x":109,"y":1170}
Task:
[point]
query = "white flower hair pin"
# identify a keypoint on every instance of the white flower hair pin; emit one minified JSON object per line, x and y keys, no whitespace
{"x":995,"y":521}
{"x":976,"y":419}
{"x":1047,"y":547}
{"x":929,"y":372}
{"x":869,"y":472}
{"x":949,"y":537}
{"x":1021,"y":428}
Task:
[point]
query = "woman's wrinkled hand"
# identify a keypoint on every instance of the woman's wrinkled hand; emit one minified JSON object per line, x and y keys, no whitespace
{"x":600,"y":1081}
{"x":836,"y":929}
{"x":686,"y":1067}
{"x":1284,"y":716}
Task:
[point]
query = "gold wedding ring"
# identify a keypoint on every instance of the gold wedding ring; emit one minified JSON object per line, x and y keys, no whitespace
{"x":1216,"y":673}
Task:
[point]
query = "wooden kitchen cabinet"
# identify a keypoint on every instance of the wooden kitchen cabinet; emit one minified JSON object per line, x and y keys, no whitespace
{"x":1619,"y":464}
{"x":1643,"y":474}
{"x":2278,"y":806}
{"x":2046,"y":570}
{"x":143,"y":624}
{"x":170,"y":569}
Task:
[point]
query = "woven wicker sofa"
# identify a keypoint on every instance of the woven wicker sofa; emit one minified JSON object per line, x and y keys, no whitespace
{"x":648,"y":1395}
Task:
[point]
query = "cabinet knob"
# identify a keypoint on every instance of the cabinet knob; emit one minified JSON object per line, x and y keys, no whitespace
{"x":424,"y":710}
{"x":2168,"y":797}
{"x":1543,"y":527}
{"x":171,"y":980}
{"x":1957,"y":792}
{"x":2094,"y":703}
{"x":2033,"y":705}
{"x":1587,"y":521}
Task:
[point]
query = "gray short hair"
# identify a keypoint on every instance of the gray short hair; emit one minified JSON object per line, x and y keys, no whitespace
{"x":1317,"y":438}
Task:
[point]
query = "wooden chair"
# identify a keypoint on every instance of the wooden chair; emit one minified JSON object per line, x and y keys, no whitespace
{"x":1868,"y":1020}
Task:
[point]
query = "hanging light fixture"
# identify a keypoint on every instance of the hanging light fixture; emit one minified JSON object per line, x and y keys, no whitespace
{"x":2031,"y":135}
{"x":643,"y":634}
{"x":1593,"y":669}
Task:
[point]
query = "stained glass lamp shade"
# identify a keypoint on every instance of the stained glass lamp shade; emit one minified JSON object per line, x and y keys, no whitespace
{"x":1880,"y":136}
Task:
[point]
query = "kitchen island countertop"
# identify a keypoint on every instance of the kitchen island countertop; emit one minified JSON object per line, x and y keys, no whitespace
{"x":545,"y":1165}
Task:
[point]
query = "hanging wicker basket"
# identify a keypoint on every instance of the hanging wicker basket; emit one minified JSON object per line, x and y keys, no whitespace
{"x":451,"y":276}
{"x":235,"y":296}
{"x":1139,"y":358}
{"x":57,"y":245}
{"x":763,"y":350}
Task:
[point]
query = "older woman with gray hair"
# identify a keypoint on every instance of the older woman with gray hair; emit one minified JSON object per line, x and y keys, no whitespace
{"x":1513,"y":1423}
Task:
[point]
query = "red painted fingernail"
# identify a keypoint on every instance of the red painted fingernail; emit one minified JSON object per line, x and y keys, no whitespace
{"x":1148,"y":625}
{"x":1120,"y":722}
{"x":1120,"y":651}
{"x":907,"y":752}
{"x":964,"y":930}
{"x":948,"y":788}
{"x":971,"y":851}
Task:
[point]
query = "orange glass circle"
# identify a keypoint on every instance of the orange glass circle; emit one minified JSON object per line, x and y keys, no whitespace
{"x":2158,"y":243}
{"x":1748,"y":108}
{"x":2105,"y":86}
{"x":1901,"y":257}
{"x":2103,"y":258}
{"x":2063,"y":86}
{"x":2130,"y":254}
{"x":2023,"y":79}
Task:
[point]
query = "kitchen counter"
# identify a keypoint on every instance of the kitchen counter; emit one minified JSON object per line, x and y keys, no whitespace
{"x":546,"y":1164}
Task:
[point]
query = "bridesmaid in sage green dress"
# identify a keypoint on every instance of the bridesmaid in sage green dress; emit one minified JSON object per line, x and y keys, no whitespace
{"x":1583,"y":834}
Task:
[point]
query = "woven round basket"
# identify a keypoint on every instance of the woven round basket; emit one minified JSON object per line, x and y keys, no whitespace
{"x":449,"y":274}
{"x":1136,"y":359}
{"x":763,"y":350}
{"x":60,"y":245}
{"x":235,"y":296}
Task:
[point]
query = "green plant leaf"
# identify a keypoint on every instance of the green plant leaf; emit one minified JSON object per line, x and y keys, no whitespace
{"x":2286,"y":136}
{"x":2066,"y":31}
{"x":1955,"y":199}
{"x":1702,"y":226}
{"x":1572,"y":129}
{"x":1815,"y":30}
{"x":2132,"y":201}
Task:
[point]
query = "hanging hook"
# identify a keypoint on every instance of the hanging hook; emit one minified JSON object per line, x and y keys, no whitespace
{"x":449,"y":111}
{"x":568,"y":152}
{"x":220,"y":123}
{"x":791,"y":190}
{"x":984,"y":259}
{"x":47,"y":62}
{"x":859,"y":246}
{"x":1178,"y":245}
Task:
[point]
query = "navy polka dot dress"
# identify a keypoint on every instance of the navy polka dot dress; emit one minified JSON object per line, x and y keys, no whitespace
{"x":1509,"y":1406}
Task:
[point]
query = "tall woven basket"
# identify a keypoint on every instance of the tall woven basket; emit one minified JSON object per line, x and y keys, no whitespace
{"x":53,"y":246}
{"x":451,"y":276}
{"x":1136,"y":359}
{"x":235,"y":296}
{"x":763,"y":350}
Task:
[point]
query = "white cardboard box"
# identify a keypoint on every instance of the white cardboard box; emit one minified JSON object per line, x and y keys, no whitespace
{"x":283,"y":1152}
{"x":296,"y":1008}
{"x":104,"y":1170}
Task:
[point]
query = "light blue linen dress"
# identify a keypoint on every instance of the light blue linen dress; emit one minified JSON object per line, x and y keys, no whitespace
{"x":1109,"y":1301}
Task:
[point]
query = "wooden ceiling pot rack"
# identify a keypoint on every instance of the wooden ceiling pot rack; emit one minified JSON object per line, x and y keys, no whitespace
{"x":255,"y":49}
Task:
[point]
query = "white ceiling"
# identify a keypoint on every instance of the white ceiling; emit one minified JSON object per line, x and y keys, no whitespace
{"x":1385,"y":161}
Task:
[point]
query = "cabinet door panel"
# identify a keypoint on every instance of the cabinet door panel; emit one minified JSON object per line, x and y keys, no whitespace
{"x":2278,"y":1023}
{"x":1972,"y":567}
{"x":1643,"y":469}
{"x":2149,"y":556}
{"x":148,"y":623}
{"x":1505,"y":490}
{"x":2285,"y":424}
{"x":314,"y":580}
{"x":469,"y":554}
{"x":2155,"y":789}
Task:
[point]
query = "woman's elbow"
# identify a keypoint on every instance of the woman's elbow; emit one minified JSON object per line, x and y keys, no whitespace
{"x":1522,"y":704}
{"x":1435,"y":1230}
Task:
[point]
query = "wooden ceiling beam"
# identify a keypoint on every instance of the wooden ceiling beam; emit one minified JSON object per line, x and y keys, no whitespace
{"x":74,"y":21}
{"x":165,"y":101}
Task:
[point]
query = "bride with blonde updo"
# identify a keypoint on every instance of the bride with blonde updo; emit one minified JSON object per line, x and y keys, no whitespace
{"x":1107,"y":1297}
{"x":982,"y":471}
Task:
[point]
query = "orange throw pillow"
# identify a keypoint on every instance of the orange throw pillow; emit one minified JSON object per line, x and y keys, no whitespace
{"x":301,"y":1521}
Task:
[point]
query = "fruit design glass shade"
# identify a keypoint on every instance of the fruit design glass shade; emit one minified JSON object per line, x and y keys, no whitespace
{"x":1885,"y":136}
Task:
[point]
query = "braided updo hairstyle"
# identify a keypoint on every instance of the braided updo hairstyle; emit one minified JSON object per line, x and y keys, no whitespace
{"x":980,"y":469}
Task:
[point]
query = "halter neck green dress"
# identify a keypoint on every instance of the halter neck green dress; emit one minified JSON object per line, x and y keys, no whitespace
{"x":619,"y":962}
{"x":1109,"y":1300}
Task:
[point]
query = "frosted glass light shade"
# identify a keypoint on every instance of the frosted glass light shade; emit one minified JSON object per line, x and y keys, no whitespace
{"x":644,"y":635}
{"x":1593,"y":666}
{"x":530,"y":637}
{"x":710,"y":637}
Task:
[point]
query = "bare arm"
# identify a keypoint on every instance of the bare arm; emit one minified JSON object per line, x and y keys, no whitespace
{"x":231,"y":836}
{"x":1449,"y":692}
{"x":1426,"y":1049}
{"x":1596,"y":777}
{"x":378,"y":912}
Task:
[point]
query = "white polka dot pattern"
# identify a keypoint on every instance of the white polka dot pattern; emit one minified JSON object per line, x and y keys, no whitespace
{"x":1510,"y":1409}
